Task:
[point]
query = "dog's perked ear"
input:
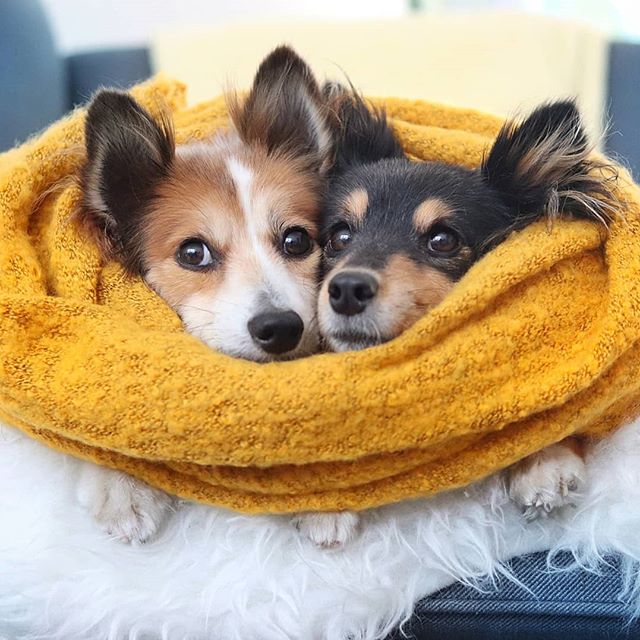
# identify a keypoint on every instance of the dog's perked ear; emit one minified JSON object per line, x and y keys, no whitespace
{"x":542,"y":167}
{"x":128,"y":154}
{"x":363,"y":132}
{"x":284,"y":110}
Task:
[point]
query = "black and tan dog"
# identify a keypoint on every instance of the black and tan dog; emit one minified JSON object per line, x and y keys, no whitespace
{"x":398,"y":234}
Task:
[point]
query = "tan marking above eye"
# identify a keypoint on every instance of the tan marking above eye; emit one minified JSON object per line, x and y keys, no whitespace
{"x":428,"y":212}
{"x":356,"y":204}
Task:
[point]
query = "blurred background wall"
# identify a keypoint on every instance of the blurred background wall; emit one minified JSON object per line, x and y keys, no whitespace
{"x":84,"y":24}
{"x":494,"y":55}
{"x":88,"y":24}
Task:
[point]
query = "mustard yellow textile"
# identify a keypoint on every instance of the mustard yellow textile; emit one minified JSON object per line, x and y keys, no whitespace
{"x":537,"y":342}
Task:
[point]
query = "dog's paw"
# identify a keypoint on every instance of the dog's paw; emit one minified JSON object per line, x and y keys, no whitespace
{"x":328,"y":530}
{"x":547,"y":481}
{"x":127,"y":509}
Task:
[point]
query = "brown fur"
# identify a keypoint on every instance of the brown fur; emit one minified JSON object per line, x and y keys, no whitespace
{"x":408,"y":290}
{"x":430,"y":211}
{"x":199,"y":199}
{"x":271,"y":113}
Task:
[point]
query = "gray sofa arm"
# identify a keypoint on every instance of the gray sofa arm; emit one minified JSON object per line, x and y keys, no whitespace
{"x":560,"y":603}
{"x":32,"y":74}
{"x":119,"y":68}
{"x":623,"y":140}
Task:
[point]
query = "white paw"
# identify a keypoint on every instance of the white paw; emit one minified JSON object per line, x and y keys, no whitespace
{"x":328,"y":530}
{"x":546,"y":481}
{"x":127,"y":509}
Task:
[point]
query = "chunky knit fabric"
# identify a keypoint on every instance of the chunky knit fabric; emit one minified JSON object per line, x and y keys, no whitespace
{"x":538,"y":341}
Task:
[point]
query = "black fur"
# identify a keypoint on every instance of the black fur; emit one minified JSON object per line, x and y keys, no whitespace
{"x":513,"y":187}
{"x":128,"y":155}
{"x":363,"y":135}
{"x":553,"y":136}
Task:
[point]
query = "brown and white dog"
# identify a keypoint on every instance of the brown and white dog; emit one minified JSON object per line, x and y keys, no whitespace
{"x":397,"y":235}
{"x":224,"y":230}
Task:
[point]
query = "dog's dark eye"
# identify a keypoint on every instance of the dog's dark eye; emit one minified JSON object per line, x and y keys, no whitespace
{"x":442,"y":241}
{"x":296,"y":242}
{"x":194,"y":254}
{"x":339,"y":239}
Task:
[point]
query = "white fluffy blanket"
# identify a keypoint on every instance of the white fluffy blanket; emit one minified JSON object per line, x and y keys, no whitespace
{"x":215,"y":574}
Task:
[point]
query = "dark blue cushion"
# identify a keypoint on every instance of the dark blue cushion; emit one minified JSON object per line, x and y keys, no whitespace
{"x":562,"y":603}
{"x":118,"y":68}
{"x":33,"y":87}
{"x":624,"y":104}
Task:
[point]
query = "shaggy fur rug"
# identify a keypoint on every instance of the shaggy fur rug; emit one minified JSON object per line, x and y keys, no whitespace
{"x":215,"y":573}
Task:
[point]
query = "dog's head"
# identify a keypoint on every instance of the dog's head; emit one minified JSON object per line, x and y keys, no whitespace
{"x":398,"y":234}
{"x":225,"y":230}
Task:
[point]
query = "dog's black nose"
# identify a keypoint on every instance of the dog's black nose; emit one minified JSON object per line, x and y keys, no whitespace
{"x":351,"y":291}
{"x":276,"y":331}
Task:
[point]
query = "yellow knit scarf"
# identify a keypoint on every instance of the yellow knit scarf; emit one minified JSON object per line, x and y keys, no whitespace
{"x":538,"y":341}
